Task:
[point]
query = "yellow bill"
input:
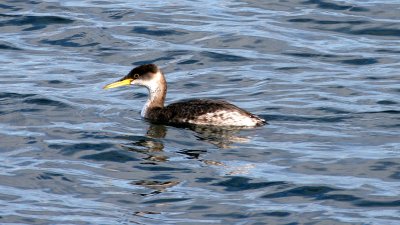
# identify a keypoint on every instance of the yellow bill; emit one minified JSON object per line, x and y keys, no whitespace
{"x":125,"y":82}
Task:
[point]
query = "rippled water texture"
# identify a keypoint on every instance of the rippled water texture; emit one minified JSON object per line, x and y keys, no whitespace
{"x":325,"y":74}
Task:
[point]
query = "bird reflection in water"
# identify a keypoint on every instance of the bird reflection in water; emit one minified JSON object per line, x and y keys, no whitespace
{"x":157,"y":187}
{"x":222,"y":137}
{"x":152,"y":144}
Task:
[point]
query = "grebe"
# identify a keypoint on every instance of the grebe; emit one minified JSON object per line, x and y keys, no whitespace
{"x":187,"y":112}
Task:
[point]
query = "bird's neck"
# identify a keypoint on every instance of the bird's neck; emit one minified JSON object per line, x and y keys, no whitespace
{"x":157,"y":92}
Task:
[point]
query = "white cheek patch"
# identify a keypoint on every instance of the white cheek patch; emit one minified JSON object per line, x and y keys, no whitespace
{"x":153,"y":86}
{"x":138,"y":82}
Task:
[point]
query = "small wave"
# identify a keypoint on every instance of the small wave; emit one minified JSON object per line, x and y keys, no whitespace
{"x":157,"y":32}
{"x":113,"y":156}
{"x":168,"y":56}
{"x":327,"y":22}
{"x":166,"y":200}
{"x":304,"y":191}
{"x":46,"y":102}
{"x":334,"y":6}
{"x":387,"y":102}
{"x":8,"y":47}
{"x":224,"y":57}
{"x":360,"y":61}
{"x":12,"y":95}
{"x":36,"y":22}
{"x":243,"y":183}
{"x":368,"y":203}
{"x":70,"y":149}
{"x":325,"y":119}
{"x":76,"y":40}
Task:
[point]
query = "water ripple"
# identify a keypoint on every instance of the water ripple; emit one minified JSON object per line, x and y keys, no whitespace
{"x":323,"y":73}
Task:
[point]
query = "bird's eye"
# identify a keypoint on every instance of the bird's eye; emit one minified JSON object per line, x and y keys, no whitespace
{"x":136,"y":76}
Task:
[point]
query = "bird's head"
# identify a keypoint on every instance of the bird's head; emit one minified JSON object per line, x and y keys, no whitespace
{"x":148,"y":75}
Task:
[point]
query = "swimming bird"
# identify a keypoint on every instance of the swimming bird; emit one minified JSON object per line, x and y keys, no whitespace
{"x":186,"y":112}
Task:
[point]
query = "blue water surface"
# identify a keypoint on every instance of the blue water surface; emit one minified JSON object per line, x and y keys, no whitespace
{"x":325,"y":74}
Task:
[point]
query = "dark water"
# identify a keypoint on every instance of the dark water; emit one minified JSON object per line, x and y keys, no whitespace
{"x":325,"y":74}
